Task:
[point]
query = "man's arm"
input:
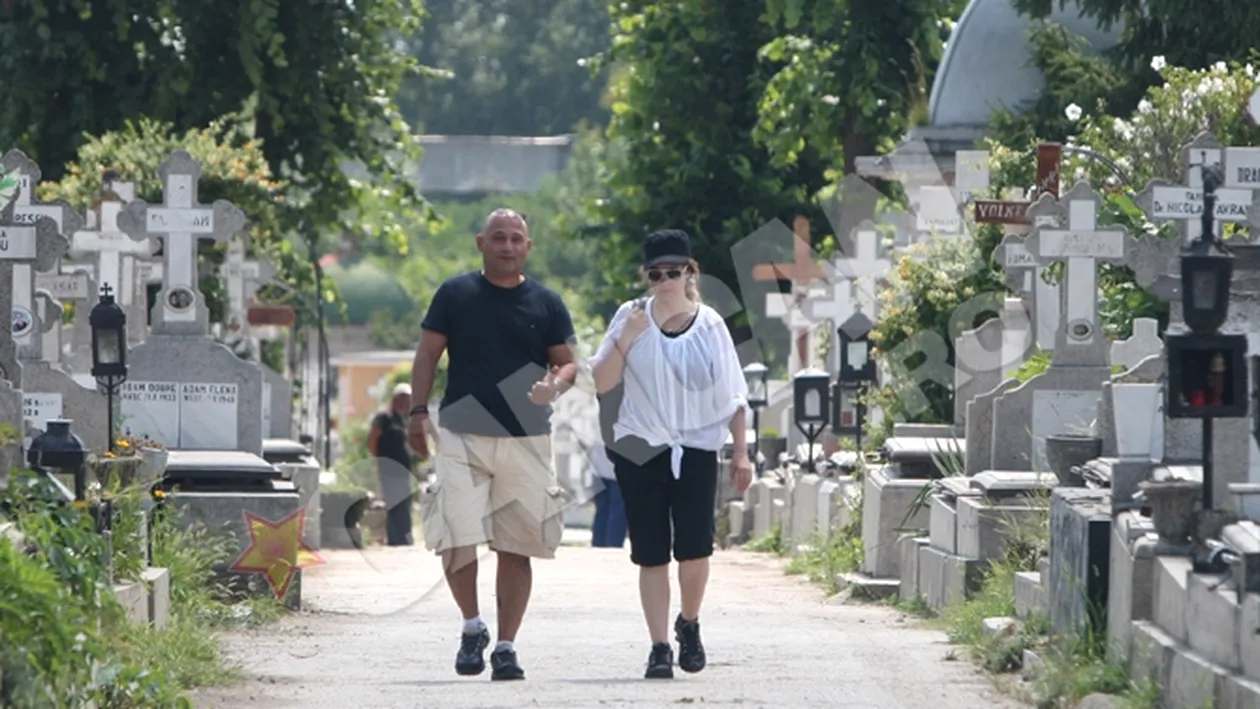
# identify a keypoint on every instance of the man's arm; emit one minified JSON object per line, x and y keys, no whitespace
{"x":374,"y":436}
{"x":562,"y":353}
{"x":424,"y":366}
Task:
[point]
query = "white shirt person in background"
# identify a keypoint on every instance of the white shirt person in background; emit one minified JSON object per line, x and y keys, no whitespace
{"x":684,"y":391}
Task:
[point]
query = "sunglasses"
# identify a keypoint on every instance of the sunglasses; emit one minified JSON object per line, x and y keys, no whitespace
{"x":655,"y":275}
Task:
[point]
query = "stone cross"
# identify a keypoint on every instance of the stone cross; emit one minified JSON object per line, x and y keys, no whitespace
{"x":801,"y":272}
{"x":37,"y":246}
{"x":181,"y":222}
{"x":1163,"y":202}
{"x":1143,"y":343}
{"x":1158,"y":263}
{"x":27,"y":210}
{"x":242,"y":279}
{"x":862,"y":272}
{"x":787,"y":307}
{"x":835,"y":303}
{"x":1080,"y":341}
{"x":1025,"y":272}
{"x":109,"y":242}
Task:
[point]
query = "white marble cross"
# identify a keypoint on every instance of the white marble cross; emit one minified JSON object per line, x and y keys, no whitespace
{"x":50,"y":312}
{"x":27,"y":210}
{"x":863,"y":271}
{"x":181,"y":222}
{"x":1080,"y":247}
{"x":1143,"y":343}
{"x":787,"y":307}
{"x":1025,"y":273}
{"x":242,"y":279}
{"x":835,"y":303}
{"x":110,"y":243}
{"x":1163,"y":202}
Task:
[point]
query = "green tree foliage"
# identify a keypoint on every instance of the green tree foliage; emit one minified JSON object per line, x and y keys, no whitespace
{"x":507,"y":67}
{"x":1193,"y":35}
{"x":685,"y":98}
{"x":318,"y":79}
{"x":849,"y":77}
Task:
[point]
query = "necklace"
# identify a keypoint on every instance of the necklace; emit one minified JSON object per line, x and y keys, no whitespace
{"x":683,"y":327}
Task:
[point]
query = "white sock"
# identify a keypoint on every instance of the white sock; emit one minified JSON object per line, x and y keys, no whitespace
{"x":472,"y":626}
{"x":505,"y":645}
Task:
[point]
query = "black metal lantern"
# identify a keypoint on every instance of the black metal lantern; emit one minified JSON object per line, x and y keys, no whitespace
{"x":57,"y":448}
{"x":856,"y":364}
{"x":847,"y":410}
{"x":109,"y":351}
{"x":755,"y":376}
{"x":811,"y":405}
{"x":109,"y":337}
{"x":1205,"y":278}
{"x":811,"y":398}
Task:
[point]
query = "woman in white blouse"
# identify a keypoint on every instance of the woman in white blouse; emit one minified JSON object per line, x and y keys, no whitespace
{"x":684,"y":391}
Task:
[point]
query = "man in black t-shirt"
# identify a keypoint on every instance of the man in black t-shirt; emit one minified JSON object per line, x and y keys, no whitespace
{"x":387,"y":441}
{"x":509,"y":344}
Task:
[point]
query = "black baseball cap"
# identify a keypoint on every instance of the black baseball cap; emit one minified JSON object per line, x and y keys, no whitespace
{"x":666,"y":246}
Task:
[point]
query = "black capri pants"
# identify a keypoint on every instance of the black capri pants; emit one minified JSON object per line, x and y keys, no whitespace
{"x":663,"y":512}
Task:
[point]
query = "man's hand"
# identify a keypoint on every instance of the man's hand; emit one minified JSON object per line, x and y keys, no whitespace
{"x":741,"y":472}
{"x":544,"y":390}
{"x":419,"y":429}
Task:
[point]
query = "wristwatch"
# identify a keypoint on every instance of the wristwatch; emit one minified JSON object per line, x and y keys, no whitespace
{"x":418,"y":409}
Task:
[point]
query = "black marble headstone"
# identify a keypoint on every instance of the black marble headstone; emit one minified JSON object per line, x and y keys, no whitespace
{"x":1080,"y":559}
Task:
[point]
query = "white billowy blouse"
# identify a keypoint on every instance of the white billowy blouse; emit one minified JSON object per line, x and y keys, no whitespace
{"x":680,"y":390}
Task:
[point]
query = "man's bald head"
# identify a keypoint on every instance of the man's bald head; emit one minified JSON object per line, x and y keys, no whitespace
{"x":504,"y":243}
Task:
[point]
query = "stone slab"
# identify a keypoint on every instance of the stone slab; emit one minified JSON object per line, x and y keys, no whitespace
{"x":158,"y":582}
{"x":1080,"y":553}
{"x":919,"y":458}
{"x":1130,"y":589}
{"x":1244,"y":539}
{"x":804,"y":515}
{"x":943,"y":524}
{"x":1152,"y":652}
{"x":1168,"y":608}
{"x":985,"y":529}
{"x":1193,"y":681}
{"x":909,"y":550}
{"x":735,"y":512}
{"x":1249,"y":635}
{"x":1212,"y":620}
{"x":1002,"y":484}
{"x":1239,"y":693}
{"x":947,"y":579}
{"x":867,"y":588}
{"x":763,"y":493}
{"x":134,"y":599}
{"x":1030,"y":595}
{"x":885,"y":505}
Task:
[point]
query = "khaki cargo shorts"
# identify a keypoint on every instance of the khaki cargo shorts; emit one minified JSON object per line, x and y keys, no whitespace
{"x":496,"y":490}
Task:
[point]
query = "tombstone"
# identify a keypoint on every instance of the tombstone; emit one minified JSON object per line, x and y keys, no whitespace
{"x":863,"y":271}
{"x":937,"y":212}
{"x":834,"y":303}
{"x":983,"y":357}
{"x":1064,"y":398}
{"x":971,"y":175}
{"x":186,"y":390}
{"x":24,"y":249}
{"x":1143,"y":343}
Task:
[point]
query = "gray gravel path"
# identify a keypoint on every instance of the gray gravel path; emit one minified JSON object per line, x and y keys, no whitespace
{"x":382,"y":632}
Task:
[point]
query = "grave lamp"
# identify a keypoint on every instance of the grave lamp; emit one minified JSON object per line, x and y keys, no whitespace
{"x":109,"y":350}
{"x":811,"y":404}
{"x":1206,"y":269}
{"x":58,"y":449}
{"x":755,"y":375}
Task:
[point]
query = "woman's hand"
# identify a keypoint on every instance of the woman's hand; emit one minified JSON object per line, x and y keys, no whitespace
{"x":635,"y":325}
{"x":741,"y":471}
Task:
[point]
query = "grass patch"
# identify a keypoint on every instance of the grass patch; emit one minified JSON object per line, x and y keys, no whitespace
{"x":824,"y":558}
{"x":69,"y":643}
{"x":769,"y":543}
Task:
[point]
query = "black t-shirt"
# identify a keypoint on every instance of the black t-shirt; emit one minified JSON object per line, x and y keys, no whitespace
{"x":496,"y":343}
{"x":392,"y":443}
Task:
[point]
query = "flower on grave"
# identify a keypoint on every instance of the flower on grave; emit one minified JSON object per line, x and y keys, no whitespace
{"x":159,"y":494}
{"x":1073,"y":112}
{"x":1158,"y":63}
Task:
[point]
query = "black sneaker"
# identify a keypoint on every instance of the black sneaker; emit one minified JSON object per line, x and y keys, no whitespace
{"x":505,"y":665}
{"x":471,"y":659}
{"x":690,"y":649}
{"x":660,"y":662}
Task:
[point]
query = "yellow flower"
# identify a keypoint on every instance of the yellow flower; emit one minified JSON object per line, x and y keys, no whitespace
{"x":159,"y":494}
{"x":79,"y":504}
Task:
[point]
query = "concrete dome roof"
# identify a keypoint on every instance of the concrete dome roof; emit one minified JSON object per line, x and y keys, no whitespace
{"x":987,"y":62}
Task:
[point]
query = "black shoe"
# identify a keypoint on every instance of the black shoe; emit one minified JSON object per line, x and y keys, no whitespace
{"x":505,"y":665}
{"x":690,"y":649}
{"x":471,"y":659}
{"x":660,"y":662}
